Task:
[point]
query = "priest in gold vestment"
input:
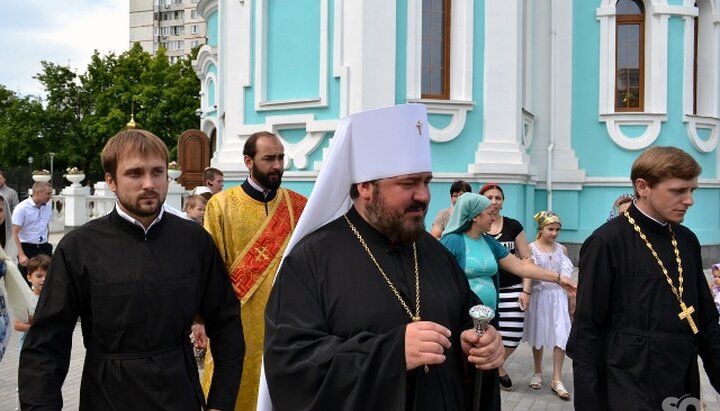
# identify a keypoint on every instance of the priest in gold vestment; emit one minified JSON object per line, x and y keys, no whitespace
{"x":251,"y":225}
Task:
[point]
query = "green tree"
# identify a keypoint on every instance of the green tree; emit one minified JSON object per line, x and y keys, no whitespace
{"x":81,"y":112}
{"x":21,"y":122}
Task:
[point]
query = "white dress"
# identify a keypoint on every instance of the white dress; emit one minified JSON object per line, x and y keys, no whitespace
{"x":547,"y":320}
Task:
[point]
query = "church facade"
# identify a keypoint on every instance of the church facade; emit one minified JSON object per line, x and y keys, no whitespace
{"x":552,"y":99}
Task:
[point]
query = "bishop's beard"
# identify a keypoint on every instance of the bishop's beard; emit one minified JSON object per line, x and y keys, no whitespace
{"x":391,"y":222}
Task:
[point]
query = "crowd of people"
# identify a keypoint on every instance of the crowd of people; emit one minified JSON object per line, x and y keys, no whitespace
{"x":344,"y":300}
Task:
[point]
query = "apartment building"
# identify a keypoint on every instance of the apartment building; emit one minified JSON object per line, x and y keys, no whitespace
{"x":172,"y":24}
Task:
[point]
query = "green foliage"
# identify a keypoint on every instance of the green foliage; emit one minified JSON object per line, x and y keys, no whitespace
{"x":81,"y":112}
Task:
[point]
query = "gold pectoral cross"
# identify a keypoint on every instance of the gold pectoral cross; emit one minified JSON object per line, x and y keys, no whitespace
{"x":686,"y":314}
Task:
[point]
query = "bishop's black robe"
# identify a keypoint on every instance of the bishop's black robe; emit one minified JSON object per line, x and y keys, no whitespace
{"x":136,"y":295}
{"x":335,"y":332}
{"x":630,"y":350}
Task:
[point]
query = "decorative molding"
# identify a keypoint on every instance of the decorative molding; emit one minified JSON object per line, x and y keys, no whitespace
{"x":210,"y":80}
{"x":693,"y":123}
{"x":614,"y":122}
{"x":457,"y":109}
{"x":207,"y":56}
{"x":528,"y":128}
{"x":261,"y":50}
{"x":295,"y":153}
{"x":206,"y":7}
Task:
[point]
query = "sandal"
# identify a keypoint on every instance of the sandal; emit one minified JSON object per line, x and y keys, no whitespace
{"x":560,"y":390}
{"x":536,"y":381}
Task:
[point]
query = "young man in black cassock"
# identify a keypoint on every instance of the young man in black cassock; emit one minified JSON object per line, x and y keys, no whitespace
{"x":369,"y":311}
{"x":137,"y":278}
{"x":641,"y":319}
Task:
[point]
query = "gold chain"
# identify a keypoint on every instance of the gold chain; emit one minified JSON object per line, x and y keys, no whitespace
{"x":415,"y":317}
{"x":679,"y":290}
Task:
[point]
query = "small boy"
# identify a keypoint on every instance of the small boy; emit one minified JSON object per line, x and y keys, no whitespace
{"x":37,"y":268}
{"x":195,"y":208}
{"x":715,"y":284}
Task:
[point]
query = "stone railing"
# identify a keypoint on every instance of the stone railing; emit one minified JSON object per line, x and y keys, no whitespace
{"x":57,"y":222}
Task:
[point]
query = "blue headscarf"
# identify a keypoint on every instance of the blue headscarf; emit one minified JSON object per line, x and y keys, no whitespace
{"x":467,"y":207}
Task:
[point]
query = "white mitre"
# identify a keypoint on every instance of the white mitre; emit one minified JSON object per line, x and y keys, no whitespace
{"x":367,"y":146}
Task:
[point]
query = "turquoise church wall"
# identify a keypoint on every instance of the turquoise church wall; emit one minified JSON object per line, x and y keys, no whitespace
{"x":282,"y":82}
{"x":590,"y":137}
{"x":581,"y":211}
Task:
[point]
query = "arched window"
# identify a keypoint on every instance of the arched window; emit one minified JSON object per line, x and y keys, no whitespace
{"x":436,"y":49}
{"x":629,"y":61}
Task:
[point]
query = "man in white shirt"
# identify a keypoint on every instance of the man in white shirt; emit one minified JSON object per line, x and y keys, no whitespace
{"x":31,"y":220}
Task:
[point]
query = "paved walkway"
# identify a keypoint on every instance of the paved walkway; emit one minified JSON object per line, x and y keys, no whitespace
{"x":519,"y":367}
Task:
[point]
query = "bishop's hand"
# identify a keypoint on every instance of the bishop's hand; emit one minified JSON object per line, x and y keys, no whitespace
{"x":485,"y":352}
{"x":425,"y":343}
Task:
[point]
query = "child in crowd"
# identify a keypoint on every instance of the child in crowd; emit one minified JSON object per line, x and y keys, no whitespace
{"x":37,"y":268}
{"x":195,"y":208}
{"x":547,"y":321}
{"x":715,"y":285}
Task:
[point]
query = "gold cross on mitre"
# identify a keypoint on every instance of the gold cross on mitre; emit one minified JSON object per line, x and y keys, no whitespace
{"x":686,"y":314}
{"x":419,"y":125}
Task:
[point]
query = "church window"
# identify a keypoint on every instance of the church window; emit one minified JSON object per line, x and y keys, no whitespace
{"x":436,"y":49}
{"x":629,"y":61}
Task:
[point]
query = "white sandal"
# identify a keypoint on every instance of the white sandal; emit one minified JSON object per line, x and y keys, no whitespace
{"x":536,"y":381}
{"x":560,"y":390}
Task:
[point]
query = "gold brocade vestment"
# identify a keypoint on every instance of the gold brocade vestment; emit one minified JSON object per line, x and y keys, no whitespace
{"x":251,"y":236}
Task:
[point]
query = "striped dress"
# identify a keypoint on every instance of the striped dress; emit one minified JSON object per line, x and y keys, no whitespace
{"x":511,"y":319}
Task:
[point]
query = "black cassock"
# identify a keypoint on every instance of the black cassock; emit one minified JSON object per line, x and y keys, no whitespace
{"x":335,"y":332}
{"x":136,"y":296}
{"x":630,"y":349}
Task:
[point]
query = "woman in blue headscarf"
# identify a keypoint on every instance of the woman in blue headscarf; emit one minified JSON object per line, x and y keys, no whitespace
{"x":479,"y":255}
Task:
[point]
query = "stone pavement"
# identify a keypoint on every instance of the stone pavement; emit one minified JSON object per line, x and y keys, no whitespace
{"x":519,"y":366}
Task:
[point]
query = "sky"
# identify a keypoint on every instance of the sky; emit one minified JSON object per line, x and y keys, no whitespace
{"x":65,"y":32}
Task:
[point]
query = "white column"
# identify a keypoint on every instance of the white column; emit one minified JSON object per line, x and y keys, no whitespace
{"x":501,"y":150}
{"x":75,"y":205}
{"x":368,"y":53}
{"x":175,"y":195}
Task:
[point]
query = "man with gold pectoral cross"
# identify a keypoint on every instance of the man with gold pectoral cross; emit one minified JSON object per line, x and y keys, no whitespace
{"x":644,"y":311}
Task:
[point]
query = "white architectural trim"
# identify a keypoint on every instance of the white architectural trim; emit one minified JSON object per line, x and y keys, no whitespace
{"x":207,"y":56}
{"x":369,"y":47}
{"x":528,"y":129}
{"x":261,"y":102}
{"x":206,"y":7}
{"x":693,"y":123}
{"x":657,"y":14}
{"x":295,"y":153}
{"x":205,"y":106}
{"x":456,"y":109}
{"x":614,"y":122}
{"x":708,"y":99}
{"x":461,"y":66}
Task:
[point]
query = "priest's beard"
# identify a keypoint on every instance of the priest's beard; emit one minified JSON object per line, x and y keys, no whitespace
{"x":390,"y":222}
{"x":140,"y":209}
{"x":269,"y":181}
